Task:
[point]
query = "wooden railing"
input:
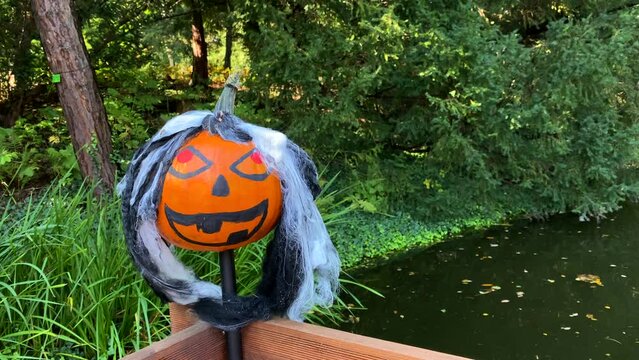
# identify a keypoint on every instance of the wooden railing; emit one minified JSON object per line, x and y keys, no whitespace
{"x":275,"y":339}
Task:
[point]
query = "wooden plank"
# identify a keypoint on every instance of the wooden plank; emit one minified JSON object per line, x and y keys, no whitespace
{"x":199,"y":341}
{"x":181,"y":317}
{"x":283,"y":339}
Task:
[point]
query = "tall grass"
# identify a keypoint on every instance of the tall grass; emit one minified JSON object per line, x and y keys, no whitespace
{"x":69,"y":290}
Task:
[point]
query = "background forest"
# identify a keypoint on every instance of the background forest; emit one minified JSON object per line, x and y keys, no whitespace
{"x":426,"y":118}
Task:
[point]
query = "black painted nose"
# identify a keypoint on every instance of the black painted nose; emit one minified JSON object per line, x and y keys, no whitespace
{"x":221,"y":187}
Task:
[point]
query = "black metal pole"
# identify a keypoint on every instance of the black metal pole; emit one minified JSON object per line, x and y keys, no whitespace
{"x":227,"y":269}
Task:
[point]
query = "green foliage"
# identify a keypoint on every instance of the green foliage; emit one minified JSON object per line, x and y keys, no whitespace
{"x":21,"y":159}
{"x":438,"y":113}
{"x":131,"y":108}
{"x":63,"y":161}
{"x":20,"y":61}
{"x":366,"y":237}
{"x":525,"y":14}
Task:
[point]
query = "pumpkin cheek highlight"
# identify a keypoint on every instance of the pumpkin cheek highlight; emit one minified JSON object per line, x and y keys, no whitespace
{"x":184,"y":156}
{"x":257,"y":157}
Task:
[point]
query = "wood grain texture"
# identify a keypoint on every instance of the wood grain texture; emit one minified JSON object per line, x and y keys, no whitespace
{"x":278,"y":339}
{"x":285,"y":339}
{"x":181,"y":317}
{"x":198,"y":342}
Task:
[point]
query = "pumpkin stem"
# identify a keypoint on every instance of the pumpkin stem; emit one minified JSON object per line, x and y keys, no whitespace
{"x":226,"y":102}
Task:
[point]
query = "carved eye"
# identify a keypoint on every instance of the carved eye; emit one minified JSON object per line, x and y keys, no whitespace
{"x":188,"y":163}
{"x":250,"y":166}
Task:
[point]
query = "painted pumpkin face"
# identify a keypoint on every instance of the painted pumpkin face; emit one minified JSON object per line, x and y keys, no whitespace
{"x":218,"y":195}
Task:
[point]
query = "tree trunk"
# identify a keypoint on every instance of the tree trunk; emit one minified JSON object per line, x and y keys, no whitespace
{"x":200,"y":74}
{"x":228,"y":46}
{"x":12,"y":109}
{"x":22,"y":69}
{"x":78,"y":90}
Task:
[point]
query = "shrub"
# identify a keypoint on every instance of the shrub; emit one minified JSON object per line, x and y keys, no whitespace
{"x":444,"y":116}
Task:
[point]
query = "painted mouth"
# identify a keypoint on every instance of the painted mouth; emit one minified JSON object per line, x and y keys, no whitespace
{"x":212,"y":223}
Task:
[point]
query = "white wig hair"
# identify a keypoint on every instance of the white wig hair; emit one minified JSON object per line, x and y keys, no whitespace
{"x":301,"y":266}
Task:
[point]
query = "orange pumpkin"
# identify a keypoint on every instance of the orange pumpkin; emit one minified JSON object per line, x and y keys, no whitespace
{"x":218,"y":195}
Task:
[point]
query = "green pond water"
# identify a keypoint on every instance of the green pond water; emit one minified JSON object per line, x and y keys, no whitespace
{"x":511,"y":292}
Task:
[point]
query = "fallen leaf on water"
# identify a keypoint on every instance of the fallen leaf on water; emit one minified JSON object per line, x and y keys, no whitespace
{"x":607,"y":307}
{"x":466,"y":281}
{"x":552,"y":281}
{"x":613,"y":340}
{"x":574,"y":314}
{"x":565,"y":328}
{"x":520,"y":294}
{"x":443,"y":310}
{"x":490,"y":289}
{"x":591,"y":317}
{"x":485,"y":257}
{"x":589,"y":278}
{"x":505,"y":301}
{"x":485,"y":314}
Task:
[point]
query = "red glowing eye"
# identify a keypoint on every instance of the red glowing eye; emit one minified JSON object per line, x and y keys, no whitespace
{"x":256,"y":157}
{"x":185,"y":156}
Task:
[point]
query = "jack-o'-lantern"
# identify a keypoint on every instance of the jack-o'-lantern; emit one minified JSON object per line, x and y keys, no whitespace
{"x":207,"y":180}
{"x":218,"y":195}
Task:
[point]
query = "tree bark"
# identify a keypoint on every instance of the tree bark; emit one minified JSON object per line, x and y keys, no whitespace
{"x":78,"y":90}
{"x":228,"y":46}
{"x":200,"y":73}
{"x":12,"y":109}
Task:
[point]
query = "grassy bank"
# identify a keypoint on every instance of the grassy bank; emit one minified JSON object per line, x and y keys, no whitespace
{"x":366,"y":238}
